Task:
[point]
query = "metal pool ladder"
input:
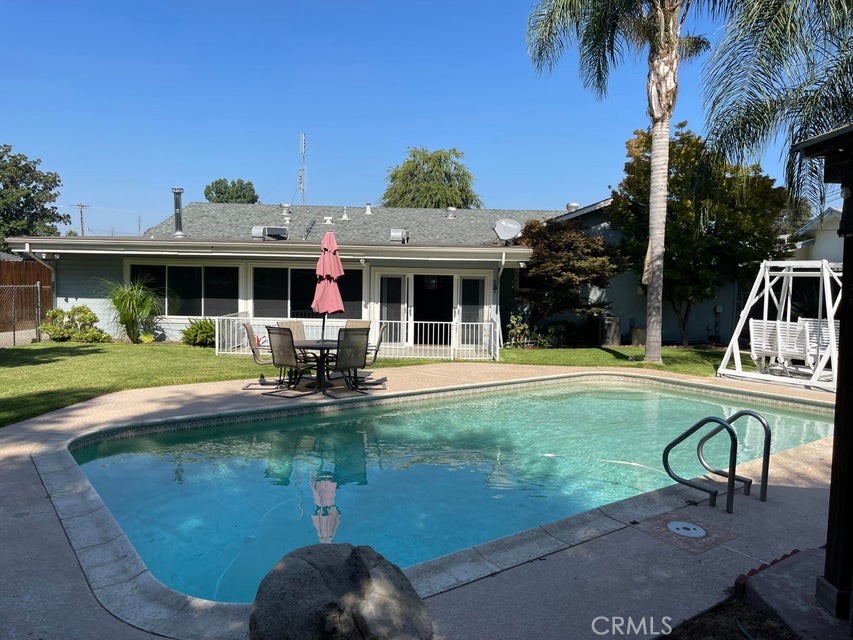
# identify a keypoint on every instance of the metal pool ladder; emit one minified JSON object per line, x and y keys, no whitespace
{"x":730,"y":475}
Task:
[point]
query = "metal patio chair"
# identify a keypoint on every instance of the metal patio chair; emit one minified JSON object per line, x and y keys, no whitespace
{"x":259,"y":359}
{"x":287,"y":359}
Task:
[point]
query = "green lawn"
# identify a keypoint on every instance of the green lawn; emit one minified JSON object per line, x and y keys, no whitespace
{"x":38,"y":378}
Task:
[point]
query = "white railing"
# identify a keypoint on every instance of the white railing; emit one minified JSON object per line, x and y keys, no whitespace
{"x":429,"y":340}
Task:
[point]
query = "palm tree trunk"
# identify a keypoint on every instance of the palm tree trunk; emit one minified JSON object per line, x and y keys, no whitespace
{"x":657,"y":236}
{"x":662,"y":87}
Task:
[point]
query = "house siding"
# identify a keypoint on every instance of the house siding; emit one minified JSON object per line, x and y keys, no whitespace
{"x":81,"y":280}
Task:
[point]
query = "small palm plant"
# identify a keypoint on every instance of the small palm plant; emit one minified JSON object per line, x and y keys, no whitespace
{"x":135,"y":307}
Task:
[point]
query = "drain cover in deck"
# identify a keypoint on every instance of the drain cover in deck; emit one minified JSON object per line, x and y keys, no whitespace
{"x":686,"y":529}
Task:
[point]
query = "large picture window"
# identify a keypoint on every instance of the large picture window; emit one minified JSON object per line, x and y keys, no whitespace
{"x":191,"y":291}
{"x":269,"y":291}
{"x":303,"y":282}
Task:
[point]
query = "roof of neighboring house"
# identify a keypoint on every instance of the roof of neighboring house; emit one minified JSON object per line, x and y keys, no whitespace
{"x":10,"y":257}
{"x":817,"y":223}
{"x":305,"y":223}
{"x":582,"y":211}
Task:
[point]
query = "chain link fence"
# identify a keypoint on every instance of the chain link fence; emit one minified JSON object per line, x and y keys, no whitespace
{"x":22,"y":309}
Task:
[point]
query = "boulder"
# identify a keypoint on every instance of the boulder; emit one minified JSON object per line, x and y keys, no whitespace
{"x":337,"y":592}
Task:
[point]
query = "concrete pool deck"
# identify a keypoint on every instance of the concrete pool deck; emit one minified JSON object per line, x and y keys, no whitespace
{"x":571,"y":579}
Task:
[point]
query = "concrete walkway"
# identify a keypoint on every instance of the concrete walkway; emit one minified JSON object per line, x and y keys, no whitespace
{"x":67,"y":574}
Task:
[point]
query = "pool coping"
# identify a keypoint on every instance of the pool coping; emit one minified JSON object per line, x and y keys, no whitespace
{"x":123,"y":584}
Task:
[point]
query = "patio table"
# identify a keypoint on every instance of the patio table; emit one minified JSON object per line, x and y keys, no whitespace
{"x":322,"y":349}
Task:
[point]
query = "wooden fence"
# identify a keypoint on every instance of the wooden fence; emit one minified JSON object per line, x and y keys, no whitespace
{"x":22,"y":303}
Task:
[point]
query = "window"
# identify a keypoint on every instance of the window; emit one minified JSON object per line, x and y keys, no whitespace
{"x":303,"y":282}
{"x":192,"y":291}
{"x":269,"y":292}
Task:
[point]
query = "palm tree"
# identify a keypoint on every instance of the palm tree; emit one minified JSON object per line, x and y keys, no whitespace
{"x":784,"y":68}
{"x":603,"y":30}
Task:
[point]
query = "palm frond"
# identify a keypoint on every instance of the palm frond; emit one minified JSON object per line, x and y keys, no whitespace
{"x":783,"y":69}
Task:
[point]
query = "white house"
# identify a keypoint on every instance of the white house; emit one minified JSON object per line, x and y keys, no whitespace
{"x":436,"y":277}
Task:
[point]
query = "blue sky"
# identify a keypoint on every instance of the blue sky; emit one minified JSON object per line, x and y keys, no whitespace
{"x":125,"y":100}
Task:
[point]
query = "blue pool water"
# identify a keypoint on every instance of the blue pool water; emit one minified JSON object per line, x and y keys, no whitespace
{"x":212,"y":510}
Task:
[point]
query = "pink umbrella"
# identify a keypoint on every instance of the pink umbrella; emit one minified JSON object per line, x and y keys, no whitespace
{"x":327,"y":296}
{"x":326,"y":516}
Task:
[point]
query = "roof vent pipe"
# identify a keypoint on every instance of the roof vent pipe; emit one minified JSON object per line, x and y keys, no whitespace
{"x":179,"y":231}
{"x":345,"y":216}
{"x":451,"y":213}
{"x":327,"y":219}
{"x":367,"y":210}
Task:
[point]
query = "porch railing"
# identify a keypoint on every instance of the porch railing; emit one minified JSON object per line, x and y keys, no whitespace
{"x":402,"y":339}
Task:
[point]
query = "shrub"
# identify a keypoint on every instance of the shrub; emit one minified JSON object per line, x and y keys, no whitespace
{"x":200,"y":333}
{"x":77,"y":325}
{"x":135,"y":307}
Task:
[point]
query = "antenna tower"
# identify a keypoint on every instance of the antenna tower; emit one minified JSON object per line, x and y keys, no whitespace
{"x":302,"y":167}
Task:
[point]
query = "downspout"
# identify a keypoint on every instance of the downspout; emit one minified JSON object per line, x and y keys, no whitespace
{"x":497,"y":289}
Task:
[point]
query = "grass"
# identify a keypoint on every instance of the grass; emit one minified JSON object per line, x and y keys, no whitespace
{"x":41,"y":377}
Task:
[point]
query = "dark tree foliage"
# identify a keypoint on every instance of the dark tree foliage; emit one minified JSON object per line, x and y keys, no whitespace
{"x":566,"y":261}
{"x":431,"y":179}
{"x":236,"y":192}
{"x":26,"y":198}
{"x":722,"y":220}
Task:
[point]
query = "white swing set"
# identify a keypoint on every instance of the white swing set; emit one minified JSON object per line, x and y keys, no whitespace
{"x":801,"y":351}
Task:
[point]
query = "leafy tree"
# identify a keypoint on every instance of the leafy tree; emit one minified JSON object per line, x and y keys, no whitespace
{"x":566,"y":261}
{"x":431,"y":179}
{"x":603,"y":30}
{"x":26,"y":198}
{"x":236,"y":192}
{"x":722,"y":220}
{"x":782,"y":68}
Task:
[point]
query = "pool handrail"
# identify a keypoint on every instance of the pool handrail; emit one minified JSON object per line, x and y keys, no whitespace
{"x":730,"y":476}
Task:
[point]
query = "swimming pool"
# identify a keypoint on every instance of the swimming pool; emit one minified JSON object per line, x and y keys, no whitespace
{"x":210,"y":511}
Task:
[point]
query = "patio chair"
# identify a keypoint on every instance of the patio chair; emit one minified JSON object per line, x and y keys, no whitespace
{"x":357,"y":324}
{"x":258,"y":358}
{"x":372,"y":354}
{"x":286,"y":358}
{"x":297,"y":327}
{"x":350,"y":356}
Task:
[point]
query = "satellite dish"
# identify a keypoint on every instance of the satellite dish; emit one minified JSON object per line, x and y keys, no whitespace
{"x":507,"y":229}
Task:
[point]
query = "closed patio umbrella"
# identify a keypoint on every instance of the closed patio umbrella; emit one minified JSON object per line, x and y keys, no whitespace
{"x":327,"y":296}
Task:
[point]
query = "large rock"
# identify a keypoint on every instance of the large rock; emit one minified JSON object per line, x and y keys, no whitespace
{"x":337,"y":592}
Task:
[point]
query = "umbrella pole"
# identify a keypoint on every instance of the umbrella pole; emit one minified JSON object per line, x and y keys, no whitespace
{"x":323,"y":328}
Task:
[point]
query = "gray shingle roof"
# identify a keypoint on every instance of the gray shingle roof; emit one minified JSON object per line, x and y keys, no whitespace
{"x":430,"y":227}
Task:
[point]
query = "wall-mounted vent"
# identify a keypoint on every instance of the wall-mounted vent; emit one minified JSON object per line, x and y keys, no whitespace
{"x":269,"y":233}
{"x":400,"y":235}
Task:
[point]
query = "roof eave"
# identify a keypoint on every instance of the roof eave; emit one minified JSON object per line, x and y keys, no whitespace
{"x":256,"y":249}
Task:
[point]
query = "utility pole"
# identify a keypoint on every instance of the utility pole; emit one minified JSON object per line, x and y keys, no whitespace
{"x":81,"y":207}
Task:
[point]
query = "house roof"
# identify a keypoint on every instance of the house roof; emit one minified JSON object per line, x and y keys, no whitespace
{"x":818,"y":222}
{"x":226,"y":230}
{"x":582,"y":211}
{"x":425,"y":227}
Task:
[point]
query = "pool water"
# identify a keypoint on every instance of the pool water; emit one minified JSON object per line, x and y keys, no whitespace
{"x":210,"y":511}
